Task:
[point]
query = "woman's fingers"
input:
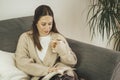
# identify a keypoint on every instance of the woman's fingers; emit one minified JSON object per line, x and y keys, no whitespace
{"x":57,"y":45}
{"x":53,"y":69}
{"x":55,"y":42}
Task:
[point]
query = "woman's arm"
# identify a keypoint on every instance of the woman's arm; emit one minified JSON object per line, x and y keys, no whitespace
{"x":67,"y":56}
{"x":23,"y":60}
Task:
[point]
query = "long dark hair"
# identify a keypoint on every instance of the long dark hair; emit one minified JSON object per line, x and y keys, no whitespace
{"x":40,"y":11}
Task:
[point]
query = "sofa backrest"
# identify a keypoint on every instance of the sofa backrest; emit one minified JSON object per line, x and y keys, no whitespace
{"x":11,"y":29}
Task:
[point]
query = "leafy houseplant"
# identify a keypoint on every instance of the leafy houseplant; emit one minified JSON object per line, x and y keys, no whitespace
{"x":105,"y":20}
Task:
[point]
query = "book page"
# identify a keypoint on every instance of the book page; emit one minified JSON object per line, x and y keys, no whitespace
{"x":60,"y":71}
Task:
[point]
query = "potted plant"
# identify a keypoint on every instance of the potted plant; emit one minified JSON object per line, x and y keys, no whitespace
{"x":104,"y":18}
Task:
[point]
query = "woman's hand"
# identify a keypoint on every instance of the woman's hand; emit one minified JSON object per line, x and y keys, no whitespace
{"x":55,"y":43}
{"x":53,"y":69}
{"x":62,"y":70}
{"x":59,"y":46}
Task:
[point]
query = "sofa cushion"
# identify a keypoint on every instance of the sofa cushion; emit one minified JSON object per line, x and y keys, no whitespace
{"x":8,"y":70}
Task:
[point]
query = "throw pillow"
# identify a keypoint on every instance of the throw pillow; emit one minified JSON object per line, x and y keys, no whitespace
{"x":8,"y":70}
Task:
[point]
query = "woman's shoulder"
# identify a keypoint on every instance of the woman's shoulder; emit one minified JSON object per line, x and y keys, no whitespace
{"x":26,"y":34}
{"x":58,"y":35}
{"x":55,"y":34}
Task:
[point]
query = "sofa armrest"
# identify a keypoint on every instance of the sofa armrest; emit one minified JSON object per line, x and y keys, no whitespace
{"x":94,"y":63}
{"x":116,"y":73}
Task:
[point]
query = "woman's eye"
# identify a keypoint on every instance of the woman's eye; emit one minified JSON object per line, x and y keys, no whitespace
{"x":50,"y":24}
{"x":43,"y":24}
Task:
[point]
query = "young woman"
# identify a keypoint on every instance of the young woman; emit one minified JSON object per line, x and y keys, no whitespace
{"x":43,"y":50}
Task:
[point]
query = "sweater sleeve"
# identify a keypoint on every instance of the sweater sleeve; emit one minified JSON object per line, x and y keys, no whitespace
{"x":67,"y":56}
{"x":23,"y":60}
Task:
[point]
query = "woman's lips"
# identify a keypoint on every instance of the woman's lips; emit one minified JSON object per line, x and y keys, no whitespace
{"x":46,"y":31}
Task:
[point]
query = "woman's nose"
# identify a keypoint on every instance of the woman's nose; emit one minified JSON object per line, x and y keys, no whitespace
{"x":47,"y":27}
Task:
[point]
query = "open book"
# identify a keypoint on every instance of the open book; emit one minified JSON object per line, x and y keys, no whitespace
{"x":61,"y":72}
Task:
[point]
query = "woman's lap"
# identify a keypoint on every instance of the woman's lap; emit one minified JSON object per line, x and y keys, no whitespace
{"x":64,"y":77}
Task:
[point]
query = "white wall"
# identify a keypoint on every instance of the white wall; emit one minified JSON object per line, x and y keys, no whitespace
{"x":70,"y":16}
{"x":16,"y":8}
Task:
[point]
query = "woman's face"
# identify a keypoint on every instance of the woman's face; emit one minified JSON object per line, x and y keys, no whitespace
{"x":44,"y":25}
